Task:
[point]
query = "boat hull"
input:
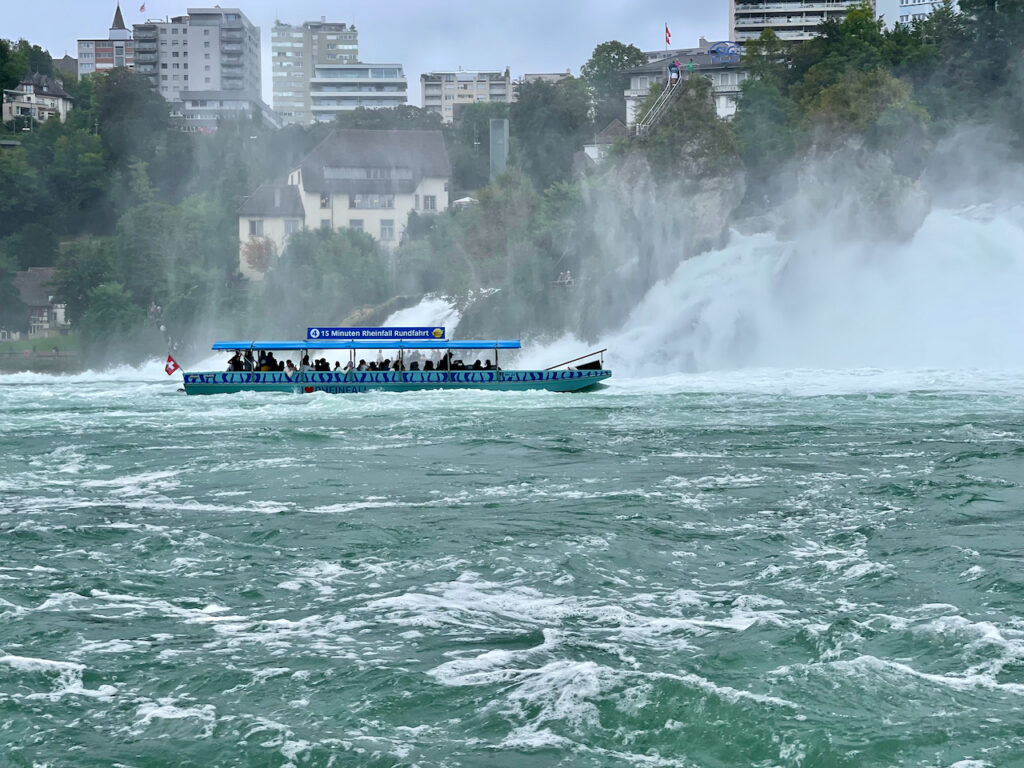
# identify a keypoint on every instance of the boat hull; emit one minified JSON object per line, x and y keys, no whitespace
{"x":353,"y":382}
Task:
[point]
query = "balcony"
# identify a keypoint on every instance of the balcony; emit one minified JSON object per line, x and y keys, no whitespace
{"x":146,"y":58}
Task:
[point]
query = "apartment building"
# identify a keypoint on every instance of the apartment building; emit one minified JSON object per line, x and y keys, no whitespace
{"x":118,"y":50}
{"x":789,"y":19}
{"x":441,"y":91}
{"x":297,"y":51}
{"x":209,"y":49}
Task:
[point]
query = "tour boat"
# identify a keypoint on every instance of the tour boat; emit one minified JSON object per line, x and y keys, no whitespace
{"x":406,"y":344}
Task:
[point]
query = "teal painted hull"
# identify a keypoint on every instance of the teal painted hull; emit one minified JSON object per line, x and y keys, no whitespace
{"x":352,"y":382}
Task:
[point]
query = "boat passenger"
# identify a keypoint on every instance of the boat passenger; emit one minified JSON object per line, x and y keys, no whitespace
{"x":247,"y":361}
{"x":349,"y":365}
{"x":304,"y":364}
{"x":385,"y":365}
{"x":271,"y":362}
{"x":488,"y":366}
{"x":415,"y":365}
{"x":428,"y":365}
{"x":262,"y":362}
{"x":373,"y":365}
{"x":235,"y":363}
{"x":362,"y":365}
{"x":478,"y":366}
{"x":290,"y":370}
{"x":337,"y":365}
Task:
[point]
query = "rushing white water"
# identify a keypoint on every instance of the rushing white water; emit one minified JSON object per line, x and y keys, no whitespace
{"x":948,"y":298}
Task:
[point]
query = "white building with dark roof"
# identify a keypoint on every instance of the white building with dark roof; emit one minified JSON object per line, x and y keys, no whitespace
{"x":38,"y":97}
{"x":360,"y":179}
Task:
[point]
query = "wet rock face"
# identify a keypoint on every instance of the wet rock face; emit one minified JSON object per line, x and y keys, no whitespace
{"x":646,"y":228}
{"x":856,"y":194}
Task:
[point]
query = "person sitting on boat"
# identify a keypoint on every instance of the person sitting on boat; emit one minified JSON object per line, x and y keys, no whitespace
{"x":415,"y":365}
{"x":290,"y":370}
{"x":398,"y":365}
{"x":247,"y":361}
{"x":271,"y":362}
{"x":362,"y":365}
{"x":477,"y":365}
{"x":235,"y":363}
{"x":428,"y":365}
{"x":488,"y":366}
{"x":348,"y":366}
{"x":304,"y":364}
{"x":373,"y":365}
{"x":337,"y":365}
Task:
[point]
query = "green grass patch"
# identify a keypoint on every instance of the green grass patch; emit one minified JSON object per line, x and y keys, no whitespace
{"x":63,"y":344}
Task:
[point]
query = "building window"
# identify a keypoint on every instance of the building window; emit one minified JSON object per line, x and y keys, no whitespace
{"x":325,"y":223}
{"x":206,"y":32}
{"x":255,"y":227}
{"x":355,"y":224}
{"x":430,"y":202}
{"x":206,"y":44}
{"x":387,"y":230}
{"x":371,"y":201}
{"x":325,"y":199}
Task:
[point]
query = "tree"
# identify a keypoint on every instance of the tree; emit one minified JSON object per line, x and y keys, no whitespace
{"x":112,"y":323}
{"x":404,"y":117}
{"x":259,"y":253}
{"x":132,"y":117}
{"x":548,"y":123}
{"x":84,"y":265}
{"x":691,"y":141}
{"x":605,"y":75}
{"x":13,"y":312}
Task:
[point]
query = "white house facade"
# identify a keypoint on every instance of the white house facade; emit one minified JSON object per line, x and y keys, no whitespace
{"x":359,"y":179}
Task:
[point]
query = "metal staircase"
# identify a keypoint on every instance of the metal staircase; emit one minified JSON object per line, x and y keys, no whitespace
{"x":650,"y":121}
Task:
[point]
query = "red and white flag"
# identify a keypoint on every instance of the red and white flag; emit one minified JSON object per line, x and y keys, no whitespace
{"x":142,"y":8}
{"x":668,"y":35}
{"x":171,"y":366}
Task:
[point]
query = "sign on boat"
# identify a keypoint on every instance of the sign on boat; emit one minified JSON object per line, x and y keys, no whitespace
{"x":415,"y":367}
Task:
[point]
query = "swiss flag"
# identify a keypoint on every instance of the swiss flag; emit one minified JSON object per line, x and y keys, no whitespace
{"x":171,"y":366}
{"x":142,"y":8}
{"x":668,"y":35}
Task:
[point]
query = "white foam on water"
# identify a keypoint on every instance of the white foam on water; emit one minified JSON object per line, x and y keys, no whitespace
{"x":166,"y":709}
{"x":431,"y":311}
{"x":67,"y":678}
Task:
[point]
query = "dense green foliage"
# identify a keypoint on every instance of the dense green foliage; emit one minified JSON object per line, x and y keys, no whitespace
{"x":135,"y":213}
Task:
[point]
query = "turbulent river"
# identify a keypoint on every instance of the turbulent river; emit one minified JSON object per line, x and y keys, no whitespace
{"x":806,"y":564}
{"x":799,"y":568}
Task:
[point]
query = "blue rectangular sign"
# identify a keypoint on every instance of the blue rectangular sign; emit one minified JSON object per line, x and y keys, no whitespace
{"x":374,"y":334}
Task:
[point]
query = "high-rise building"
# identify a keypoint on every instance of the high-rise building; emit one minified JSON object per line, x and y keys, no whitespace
{"x":118,"y":50}
{"x":789,"y":19}
{"x":297,"y":52}
{"x":210,"y":49}
{"x":338,"y":88}
{"x":441,"y":91}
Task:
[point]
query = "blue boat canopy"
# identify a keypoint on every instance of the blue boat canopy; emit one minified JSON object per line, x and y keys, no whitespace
{"x":352,"y":344}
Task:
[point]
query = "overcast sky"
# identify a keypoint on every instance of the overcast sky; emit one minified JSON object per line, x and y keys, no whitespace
{"x":526,"y":35}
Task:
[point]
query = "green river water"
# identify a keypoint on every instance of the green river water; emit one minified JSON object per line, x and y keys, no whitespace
{"x":763,"y":568}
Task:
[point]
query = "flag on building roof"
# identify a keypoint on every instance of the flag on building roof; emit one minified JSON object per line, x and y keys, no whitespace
{"x":142,"y":8}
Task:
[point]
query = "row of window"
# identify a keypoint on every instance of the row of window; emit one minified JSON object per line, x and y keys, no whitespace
{"x":387,"y":227}
{"x":378,"y":202}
